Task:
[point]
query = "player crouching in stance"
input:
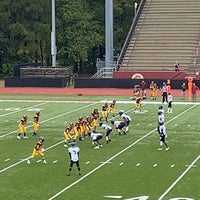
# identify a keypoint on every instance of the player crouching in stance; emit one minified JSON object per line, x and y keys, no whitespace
{"x":162,"y":131}
{"x":119,"y":125}
{"x":38,"y":150}
{"x":74,"y":157}
{"x":108,"y":130}
{"x":95,"y":139}
{"x":126,"y":118}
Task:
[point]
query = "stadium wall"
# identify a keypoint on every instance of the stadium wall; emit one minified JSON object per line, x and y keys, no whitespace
{"x":124,"y":83}
{"x":149,"y":75}
{"x":36,"y":82}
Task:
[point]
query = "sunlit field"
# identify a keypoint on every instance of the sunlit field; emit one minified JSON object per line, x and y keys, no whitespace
{"x":129,"y":167}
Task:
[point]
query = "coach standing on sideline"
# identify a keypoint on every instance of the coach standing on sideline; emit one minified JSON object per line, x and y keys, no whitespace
{"x":164,"y":92}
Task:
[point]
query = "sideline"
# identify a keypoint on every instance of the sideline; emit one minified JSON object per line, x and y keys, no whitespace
{"x":110,"y":159}
{"x":23,"y":108}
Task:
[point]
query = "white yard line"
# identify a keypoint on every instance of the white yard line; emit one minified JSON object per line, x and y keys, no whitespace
{"x":110,"y":159}
{"x":9,"y":113}
{"x":22,"y":160}
{"x":179,"y":178}
{"x":1,"y":136}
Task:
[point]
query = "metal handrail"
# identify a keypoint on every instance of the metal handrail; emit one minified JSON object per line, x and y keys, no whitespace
{"x":130,"y":33}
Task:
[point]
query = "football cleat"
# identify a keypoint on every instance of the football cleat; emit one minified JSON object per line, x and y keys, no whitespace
{"x":44,"y":161}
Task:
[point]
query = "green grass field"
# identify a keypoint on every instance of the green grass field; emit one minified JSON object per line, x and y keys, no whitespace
{"x":130,"y":167}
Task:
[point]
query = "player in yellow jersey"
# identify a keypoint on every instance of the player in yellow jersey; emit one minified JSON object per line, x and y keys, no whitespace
{"x":35,"y":126}
{"x":68,"y":136}
{"x":95,"y":119}
{"x":104,"y":113}
{"x":138,"y":104}
{"x":111,"y":108}
{"x":22,"y":129}
{"x":155,"y":91}
{"x":38,"y":150}
{"x":77,"y":131}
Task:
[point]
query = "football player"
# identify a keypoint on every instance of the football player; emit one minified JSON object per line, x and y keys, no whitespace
{"x":74,"y":157}
{"x":108,"y":130}
{"x":127,"y":120}
{"x":162,"y":131}
{"x":68,"y":136}
{"x":38,"y":150}
{"x":95,"y":139}
{"x":104,"y":113}
{"x":95,"y":119}
{"x":22,"y":129}
{"x":119,"y":125}
{"x":35,"y":125}
{"x":112,"y":108}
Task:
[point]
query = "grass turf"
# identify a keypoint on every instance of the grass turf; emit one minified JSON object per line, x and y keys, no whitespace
{"x":130,"y":167}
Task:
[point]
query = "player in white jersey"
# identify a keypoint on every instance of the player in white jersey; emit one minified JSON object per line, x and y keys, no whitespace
{"x":119,"y":125}
{"x":162,"y":131}
{"x":108,"y":130}
{"x":95,"y":139}
{"x":74,"y":158}
{"x":161,"y":109}
{"x":169,"y":100}
{"x":127,"y":120}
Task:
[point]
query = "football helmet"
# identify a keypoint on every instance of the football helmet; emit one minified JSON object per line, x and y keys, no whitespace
{"x":121,"y":112}
{"x":41,"y":138}
{"x":73,"y":144}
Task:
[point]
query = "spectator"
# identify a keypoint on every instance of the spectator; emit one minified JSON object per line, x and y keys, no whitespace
{"x":194,"y":91}
{"x":183,"y":91}
{"x":164,"y":92}
{"x":151,"y":88}
{"x":177,"y":67}
{"x":143,"y":87}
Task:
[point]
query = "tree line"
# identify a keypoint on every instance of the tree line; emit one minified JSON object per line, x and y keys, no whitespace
{"x":25,"y":32}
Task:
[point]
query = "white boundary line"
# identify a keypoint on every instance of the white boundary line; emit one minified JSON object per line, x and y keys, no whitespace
{"x":22,"y":160}
{"x":1,"y":136}
{"x":179,"y":178}
{"x":110,"y":159}
{"x":23,"y":109}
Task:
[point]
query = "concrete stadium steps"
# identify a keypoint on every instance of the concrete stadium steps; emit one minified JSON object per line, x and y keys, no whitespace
{"x":167,"y":31}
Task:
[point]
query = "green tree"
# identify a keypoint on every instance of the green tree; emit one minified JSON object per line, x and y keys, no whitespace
{"x":25,"y":31}
{"x":80,"y":33}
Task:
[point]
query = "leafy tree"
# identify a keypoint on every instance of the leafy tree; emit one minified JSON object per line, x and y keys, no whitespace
{"x":80,"y":32}
{"x":25,"y":31}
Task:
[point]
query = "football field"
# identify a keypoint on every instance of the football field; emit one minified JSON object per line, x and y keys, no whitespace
{"x":130,"y":167}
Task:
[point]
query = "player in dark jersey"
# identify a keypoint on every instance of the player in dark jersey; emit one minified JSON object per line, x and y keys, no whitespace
{"x":108,"y":130}
{"x":104,"y":113}
{"x":95,"y":119}
{"x":111,"y":109}
{"x":38,"y":150}
{"x":138,"y":104}
{"x":119,"y":126}
{"x":22,"y":129}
